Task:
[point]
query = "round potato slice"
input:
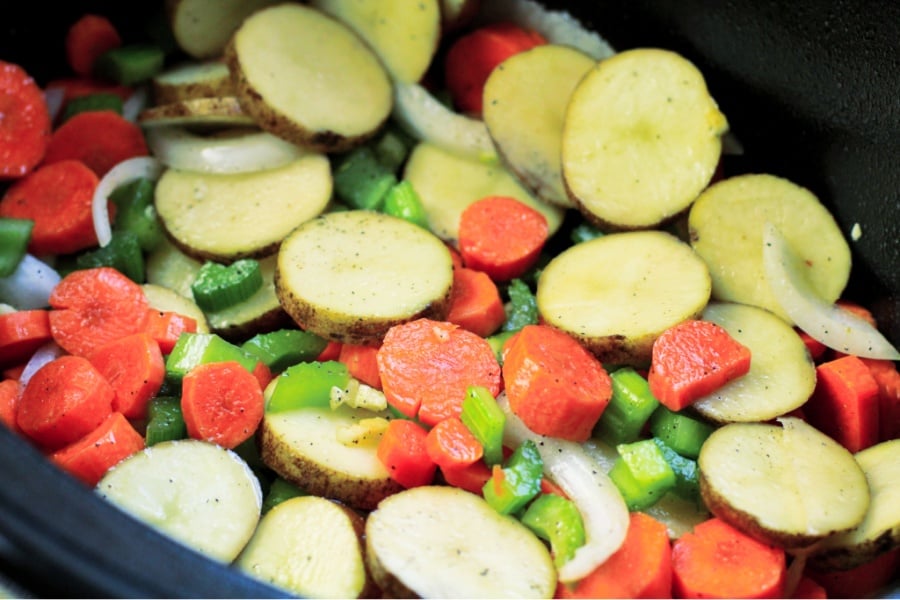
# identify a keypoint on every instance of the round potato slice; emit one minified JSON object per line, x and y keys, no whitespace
{"x":202,"y":27}
{"x":619,"y":292}
{"x":191,"y":80}
{"x":308,"y":78}
{"x":351,"y":275}
{"x":224,"y":111}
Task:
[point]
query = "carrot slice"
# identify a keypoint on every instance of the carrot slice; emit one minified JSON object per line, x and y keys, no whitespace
{"x":693,"y":359}
{"x":451,"y":445}
{"x":476,"y":304}
{"x":501,"y":236}
{"x":426,"y":366}
{"x":470,"y":478}
{"x":402,"y":452}
{"x":100,"y":139}
{"x":57,"y":197}
{"x":88,"y":38}
{"x":809,"y":589}
{"x":14,"y":372}
{"x":93,"y":307}
{"x":135,"y":368}
{"x":331,"y":352}
{"x":888,"y":380}
{"x":165,"y":326}
{"x":21,"y":333}
{"x":9,"y":402}
{"x":717,"y":560}
{"x":25,"y":124}
{"x":815,"y":348}
{"x":92,"y":456}
{"x":222,"y":403}
{"x":362,"y":363}
{"x":640,"y":568}
{"x":844,"y":404}
{"x":63,"y":401}
{"x":554,"y":384}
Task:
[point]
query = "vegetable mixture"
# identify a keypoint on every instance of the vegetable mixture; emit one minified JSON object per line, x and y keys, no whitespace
{"x":437,"y":299}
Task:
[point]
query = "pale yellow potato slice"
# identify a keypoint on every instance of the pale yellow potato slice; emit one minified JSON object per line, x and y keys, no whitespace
{"x":447,"y":183}
{"x":223,"y":111}
{"x":512,"y":99}
{"x":777,"y":355}
{"x":789,"y":484}
{"x":351,"y":275}
{"x":617,"y":293}
{"x":202,"y":27}
{"x":305,"y":447}
{"x":191,"y":80}
{"x":403,"y":34}
{"x":641,"y":139}
{"x":308,"y":78}
{"x":311,"y":547}
{"x":726,"y":229}
{"x":443,"y":542}
{"x":224,"y":217}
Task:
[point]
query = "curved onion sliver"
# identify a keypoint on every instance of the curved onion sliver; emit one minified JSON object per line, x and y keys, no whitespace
{"x":124,"y":172}
{"x":30,"y":284}
{"x":135,"y":103}
{"x":46,"y":353}
{"x":54,"y":97}
{"x":580,"y":476}
{"x":825,"y":322}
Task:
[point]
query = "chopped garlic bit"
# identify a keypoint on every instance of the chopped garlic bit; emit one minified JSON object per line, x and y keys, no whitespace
{"x":357,"y":395}
{"x":365,"y":432}
{"x":855,"y":232}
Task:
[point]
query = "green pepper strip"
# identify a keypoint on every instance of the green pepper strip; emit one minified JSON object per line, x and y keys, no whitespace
{"x":558,"y":521}
{"x":307,"y":384}
{"x":642,"y":474}
{"x":485,"y":419}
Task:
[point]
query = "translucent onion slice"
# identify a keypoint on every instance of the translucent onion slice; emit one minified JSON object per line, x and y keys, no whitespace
{"x":29,"y":286}
{"x":425,"y":118}
{"x":585,"y":482}
{"x":55,"y":97}
{"x":136,"y":102}
{"x":825,"y":322}
{"x":46,"y":353}
{"x":124,"y":172}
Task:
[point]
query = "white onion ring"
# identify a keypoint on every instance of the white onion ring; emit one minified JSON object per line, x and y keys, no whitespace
{"x":825,"y":322}
{"x":30,"y":284}
{"x":135,"y":103}
{"x":124,"y":172}
{"x":46,"y":353}
{"x":178,"y":148}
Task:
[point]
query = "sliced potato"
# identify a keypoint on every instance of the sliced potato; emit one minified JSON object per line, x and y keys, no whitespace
{"x":202,"y":27}
{"x":511,"y":98}
{"x":191,"y":80}
{"x":789,"y":484}
{"x":447,"y":183}
{"x":777,"y":355}
{"x":443,"y":542}
{"x":225,"y":217}
{"x":880,"y":529}
{"x":403,"y":34}
{"x":224,"y":111}
{"x":311,"y":547}
{"x":167,"y":299}
{"x":198,"y":493}
{"x":642,"y":138}
{"x":308,"y":78}
{"x":351,"y":275}
{"x":304,"y":447}
{"x":726,"y":229}
{"x":619,"y":292}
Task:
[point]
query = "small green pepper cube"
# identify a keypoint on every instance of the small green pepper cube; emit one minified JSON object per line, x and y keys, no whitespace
{"x":687,"y":472}
{"x":194,"y":349}
{"x":307,"y":384}
{"x":14,"y":237}
{"x":92,"y":102}
{"x":219,"y":286}
{"x":642,"y":474}
{"x":285,"y":347}
{"x":403,"y":202}
{"x":558,"y":521}
{"x":123,"y":253}
{"x":511,"y":488}
{"x":361,"y":180}
{"x":135,"y":212}
{"x":165,"y":420}
{"x":629,"y":408}
{"x":279,"y":491}
{"x":130,"y":64}
{"x":683,"y":433}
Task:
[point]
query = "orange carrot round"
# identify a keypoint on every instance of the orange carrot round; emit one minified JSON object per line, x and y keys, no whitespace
{"x":554,"y":384}
{"x":88,"y":38}
{"x":92,"y":456}
{"x":470,"y":478}
{"x":476,"y":304}
{"x":501,"y":236}
{"x":402,"y":452}
{"x":93,"y":307}
{"x":165,"y":326}
{"x":451,"y":445}
{"x":426,"y":366}
{"x":100,"y":139}
{"x":222,"y":403}
{"x":63,"y":401}
{"x":135,"y":368}
{"x":24,"y":122}
{"x":9,"y":402}
{"x":888,"y":380}
{"x":57,"y":197}
{"x":331,"y":352}
{"x":362,"y":363}
{"x":21,"y":333}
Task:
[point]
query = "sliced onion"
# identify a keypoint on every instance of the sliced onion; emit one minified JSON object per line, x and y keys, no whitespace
{"x":180,"y":149}
{"x":135,"y":103}
{"x":30,"y":284}
{"x":124,"y":172}
{"x":584,"y":481}
{"x":825,"y":322}
{"x":46,"y":353}
{"x":425,"y":118}
{"x":54,"y":97}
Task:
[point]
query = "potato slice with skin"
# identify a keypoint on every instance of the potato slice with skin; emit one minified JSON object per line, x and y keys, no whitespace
{"x":880,"y":529}
{"x":447,"y":183}
{"x":789,"y":485}
{"x":308,"y":78}
{"x":403,"y":34}
{"x":202,"y":27}
{"x":443,"y":542}
{"x":303,"y":446}
{"x":511,"y":98}
{"x":726,"y":228}
{"x":311,"y":547}
{"x":778,"y":354}
{"x":198,"y":493}
{"x":223,"y":111}
{"x":225,"y":217}
{"x":641,"y":139}
{"x":191,"y":80}
{"x":618,"y":293}
{"x":352,"y":275}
